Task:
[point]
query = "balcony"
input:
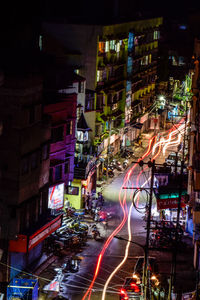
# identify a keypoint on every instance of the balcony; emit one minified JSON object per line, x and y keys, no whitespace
{"x":83,"y":166}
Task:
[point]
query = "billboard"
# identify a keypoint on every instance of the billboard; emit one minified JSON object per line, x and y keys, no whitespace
{"x":56,"y":196}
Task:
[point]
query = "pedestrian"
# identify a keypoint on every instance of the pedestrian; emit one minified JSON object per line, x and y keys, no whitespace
{"x":87,"y":202}
{"x":100,"y":199}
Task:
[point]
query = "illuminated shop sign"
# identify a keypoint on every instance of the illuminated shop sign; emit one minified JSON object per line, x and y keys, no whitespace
{"x":40,"y":235}
{"x":56,"y":196}
{"x":170,"y":203}
{"x":25,"y":243}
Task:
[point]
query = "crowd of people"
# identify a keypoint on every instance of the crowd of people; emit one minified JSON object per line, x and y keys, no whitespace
{"x":92,"y":202}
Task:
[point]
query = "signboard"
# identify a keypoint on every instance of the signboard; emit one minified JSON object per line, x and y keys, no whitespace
{"x":56,"y":196}
{"x":44,"y":232}
{"x":169,"y":203}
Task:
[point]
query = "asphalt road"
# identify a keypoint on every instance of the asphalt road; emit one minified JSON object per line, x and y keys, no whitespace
{"x":74,"y":286}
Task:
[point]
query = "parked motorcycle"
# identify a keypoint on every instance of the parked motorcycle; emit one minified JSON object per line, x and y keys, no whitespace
{"x":95,"y":232}
{"x":125,"y":163}
{"x":110,"y":172}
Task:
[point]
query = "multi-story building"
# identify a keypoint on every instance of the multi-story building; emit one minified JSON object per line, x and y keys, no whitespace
{"x":194,"y":155}
{"x":68,"y":102}
{"x":60,"y":103}
{"x":119,"y":64}
{"x":25,"y":220}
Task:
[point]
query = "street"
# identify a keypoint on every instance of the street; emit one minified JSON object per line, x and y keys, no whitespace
{"x":116,"y":258}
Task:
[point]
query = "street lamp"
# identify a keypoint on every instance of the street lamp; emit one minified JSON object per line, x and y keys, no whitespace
{"x":144,"y":249}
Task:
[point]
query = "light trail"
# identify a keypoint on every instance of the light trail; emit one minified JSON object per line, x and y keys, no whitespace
{"x":126,"y":251}
{"x":119,"y":227}
{"x":124,"y":209}
{"x":129,"y":227}
{"x":174,"y":143}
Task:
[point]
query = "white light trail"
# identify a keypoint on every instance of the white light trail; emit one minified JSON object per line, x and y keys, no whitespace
{"x":127,"y":247}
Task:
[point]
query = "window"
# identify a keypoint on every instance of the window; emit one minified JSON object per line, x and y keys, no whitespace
{"x":58,"y":172}
{"x":51,"y":175}
{"x":69,"y":128}
{"x":99,"y":102}
{"x":24,"y":165}
{"x":89,"y":103}
{"x":45,"y":152}
{"x":34,"y":161}
{"x":107,"y":46}
{"x":72,"y":190}
{"x":118,"y":47}
{"x":32,"y":115}
{"x":67,"y":165}
{"x":101,"y":47}
{"x":112,"y":45}
{"x":99,"y":76}
{"x":40,"y":42}
{"x":57,"y":134}
{"x":81,"y":87}
{"x":156,"y":35}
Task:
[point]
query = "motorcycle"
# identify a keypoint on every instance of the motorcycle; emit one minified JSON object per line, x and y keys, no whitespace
{"x":119,"y":166}
{"x":110,"y":172}
{"x":95,"y":233}
{"x":72,"y":265}
{"x":125,"y":163}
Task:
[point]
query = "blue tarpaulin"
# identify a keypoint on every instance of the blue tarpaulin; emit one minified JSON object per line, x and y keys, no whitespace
{"x":22,"y":288}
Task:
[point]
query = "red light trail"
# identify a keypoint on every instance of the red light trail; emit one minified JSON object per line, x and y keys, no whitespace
{"x":124,"y":207}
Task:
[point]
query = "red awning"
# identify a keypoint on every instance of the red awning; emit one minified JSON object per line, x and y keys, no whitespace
{"x":23,"y":243}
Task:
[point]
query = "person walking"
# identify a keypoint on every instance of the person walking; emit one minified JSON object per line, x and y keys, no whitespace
{"x":87,"y":202}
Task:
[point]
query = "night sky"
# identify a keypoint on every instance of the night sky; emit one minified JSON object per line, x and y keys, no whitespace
{"x":23,"y":11}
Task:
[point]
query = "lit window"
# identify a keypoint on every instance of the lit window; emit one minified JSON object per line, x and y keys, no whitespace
{"x":72,"y":190}
{"x":98,"y":75}
{"x":40,"y":42}
{"x":150,"y":58}
{"x":107,"y":46}
{"x":156,"y":35}
{"x":76,"y":71}
{"x":102,"y":47}
{"x":118,"y":47}
{"x":112,"y":45}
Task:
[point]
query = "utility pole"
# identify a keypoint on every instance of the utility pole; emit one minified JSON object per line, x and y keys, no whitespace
{"x":174,"y":254}
{"x":146,"y":294}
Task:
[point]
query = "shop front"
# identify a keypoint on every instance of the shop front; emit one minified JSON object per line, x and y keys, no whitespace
{"x":167,"y":205}
{"x":27,"y":248}
{"x":76,"y":193}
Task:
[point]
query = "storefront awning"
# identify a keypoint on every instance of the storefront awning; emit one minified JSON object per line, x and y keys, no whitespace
{"x":24,"y":243}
